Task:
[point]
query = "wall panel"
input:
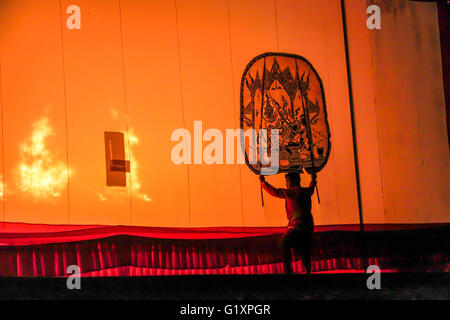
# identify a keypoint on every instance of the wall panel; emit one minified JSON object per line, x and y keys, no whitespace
{"x":2,"y":174}
{"x":215,"y":197}
{"x":411,"y":113}
{"x":364,"y":100}
{"x":252,"y":32}
{"x":33,"y":112}
{"x":95,"y":104}
{"x":154,"y":112}
{"x":313,"y":29}
{"x":400,"y":113}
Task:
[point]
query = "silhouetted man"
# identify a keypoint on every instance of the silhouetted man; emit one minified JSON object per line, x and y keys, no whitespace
{"x":299,"y":233}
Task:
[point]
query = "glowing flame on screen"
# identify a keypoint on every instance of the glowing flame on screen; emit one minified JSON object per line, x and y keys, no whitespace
{"x":39,"y":172}
{"x":1,"y":187}
{"x":133,"y":176}
{"x":101,"y":197}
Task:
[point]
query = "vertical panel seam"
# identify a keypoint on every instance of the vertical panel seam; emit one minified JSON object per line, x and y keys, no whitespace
{"x":331,"y":127}
{"x":380,"y":163}
{"x":126,"y":106}
{"x":3,"y":148}
{"x":276,"y":23}
{"x":182,"y":106}
{"x":65,"y":108}
{"x":234,"y":107}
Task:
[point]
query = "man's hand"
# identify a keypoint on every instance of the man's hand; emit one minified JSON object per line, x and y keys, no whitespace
{"x":261,"y":178}
{"x":312,"y":174}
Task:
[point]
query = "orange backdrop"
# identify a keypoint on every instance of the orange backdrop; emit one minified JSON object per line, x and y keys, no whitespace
{"x":146,"y":68}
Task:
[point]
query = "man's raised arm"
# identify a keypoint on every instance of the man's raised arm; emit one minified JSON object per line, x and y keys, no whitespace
{"x":275,"y":192}
{"x":312,"y":184}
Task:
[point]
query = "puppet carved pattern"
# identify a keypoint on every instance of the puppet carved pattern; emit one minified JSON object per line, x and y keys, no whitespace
{"x":283,"y":91}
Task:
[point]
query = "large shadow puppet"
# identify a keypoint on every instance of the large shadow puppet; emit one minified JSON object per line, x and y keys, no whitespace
{"x":284,"y":92}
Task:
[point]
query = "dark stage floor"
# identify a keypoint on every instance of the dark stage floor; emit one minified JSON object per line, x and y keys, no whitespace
{"x":235,"y":287}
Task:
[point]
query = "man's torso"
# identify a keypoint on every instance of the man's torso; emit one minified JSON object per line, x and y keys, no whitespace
{"x":298,"y":210}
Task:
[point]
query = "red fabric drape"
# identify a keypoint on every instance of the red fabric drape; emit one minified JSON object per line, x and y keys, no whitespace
{"x":166,"y":251}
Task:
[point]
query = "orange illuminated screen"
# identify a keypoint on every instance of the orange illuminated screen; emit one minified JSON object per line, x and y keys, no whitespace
{"x":147,"y":68}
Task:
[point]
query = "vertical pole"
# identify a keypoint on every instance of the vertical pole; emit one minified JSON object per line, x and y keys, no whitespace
{"x":352,"y":115}
{"x":308,"y":128}
{"x":260,"y":126}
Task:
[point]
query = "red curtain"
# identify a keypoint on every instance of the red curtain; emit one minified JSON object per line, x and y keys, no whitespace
{"x":123,"y":251}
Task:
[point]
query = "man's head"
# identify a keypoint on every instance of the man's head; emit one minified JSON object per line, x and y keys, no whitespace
{"x":292,"y":179}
